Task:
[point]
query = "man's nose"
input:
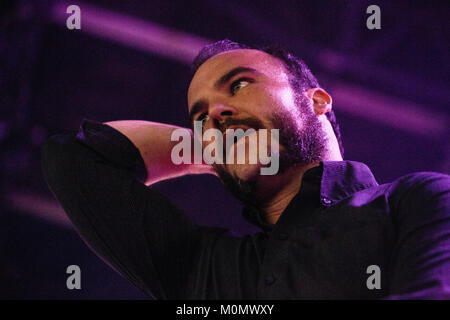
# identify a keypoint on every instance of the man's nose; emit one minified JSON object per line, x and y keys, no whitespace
{"x":219,"y":112}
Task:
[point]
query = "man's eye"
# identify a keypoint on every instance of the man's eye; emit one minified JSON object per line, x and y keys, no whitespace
{"x":239,"y":84}
{"x":203,"y":117}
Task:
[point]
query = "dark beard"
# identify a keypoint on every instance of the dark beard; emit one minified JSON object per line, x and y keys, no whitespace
{"x":302,"y":147}
{"x":241,"y":189}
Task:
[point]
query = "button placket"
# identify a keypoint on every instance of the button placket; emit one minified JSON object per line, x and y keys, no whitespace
{"x":325,"y":201}
{"x":269,"y":279}
{"x":274,"y":261}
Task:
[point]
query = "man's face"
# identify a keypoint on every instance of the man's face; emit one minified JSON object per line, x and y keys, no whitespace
{"x":248,"y":89}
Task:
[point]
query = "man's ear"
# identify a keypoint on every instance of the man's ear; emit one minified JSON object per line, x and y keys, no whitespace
{"x":321,"y":100}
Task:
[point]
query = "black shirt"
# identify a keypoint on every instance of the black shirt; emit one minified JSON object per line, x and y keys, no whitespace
{"x":339,"y":225}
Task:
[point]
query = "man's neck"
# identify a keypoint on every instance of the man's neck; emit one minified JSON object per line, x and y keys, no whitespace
{"x":274,"y":198}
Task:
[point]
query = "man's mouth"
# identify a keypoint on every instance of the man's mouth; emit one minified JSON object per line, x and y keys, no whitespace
{"x":245,"y":124}
{"x":236,"y":138}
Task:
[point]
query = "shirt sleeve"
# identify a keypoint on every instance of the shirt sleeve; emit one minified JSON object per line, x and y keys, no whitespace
{"x":97,"y":176}
{"x":421,"y":259}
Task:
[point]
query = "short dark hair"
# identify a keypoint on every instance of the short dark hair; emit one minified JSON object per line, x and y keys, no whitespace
{"x":301,"y":78}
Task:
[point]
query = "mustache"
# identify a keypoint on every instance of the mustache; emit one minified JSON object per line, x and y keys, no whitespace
{"x":245,"y":122}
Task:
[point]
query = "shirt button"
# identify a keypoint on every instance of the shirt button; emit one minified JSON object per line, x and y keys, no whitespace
{"x":325,"y":201}
{"x":283,"y":236}
{"x":269,"y":279}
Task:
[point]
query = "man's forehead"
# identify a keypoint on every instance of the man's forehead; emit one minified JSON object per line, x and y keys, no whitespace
{"x":213,"y":68}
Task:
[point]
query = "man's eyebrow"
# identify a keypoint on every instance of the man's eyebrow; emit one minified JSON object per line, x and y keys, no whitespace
{"x":230,"y":74}
{"x":195,"y":109}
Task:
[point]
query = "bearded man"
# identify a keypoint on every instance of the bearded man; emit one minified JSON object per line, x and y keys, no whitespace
{"x":328,"y":230}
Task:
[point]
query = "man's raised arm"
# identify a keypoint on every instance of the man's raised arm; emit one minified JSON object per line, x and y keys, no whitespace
{"x":153,"y":141}
{"x":97,"y":176}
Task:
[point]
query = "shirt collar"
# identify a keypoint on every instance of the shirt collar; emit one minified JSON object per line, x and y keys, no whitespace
{"x":326,"y":184}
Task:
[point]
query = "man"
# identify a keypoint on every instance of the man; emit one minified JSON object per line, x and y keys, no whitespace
{"x":329,"y":231}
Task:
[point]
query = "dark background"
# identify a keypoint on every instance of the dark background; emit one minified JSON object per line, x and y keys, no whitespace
{"x":390,"y":90}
